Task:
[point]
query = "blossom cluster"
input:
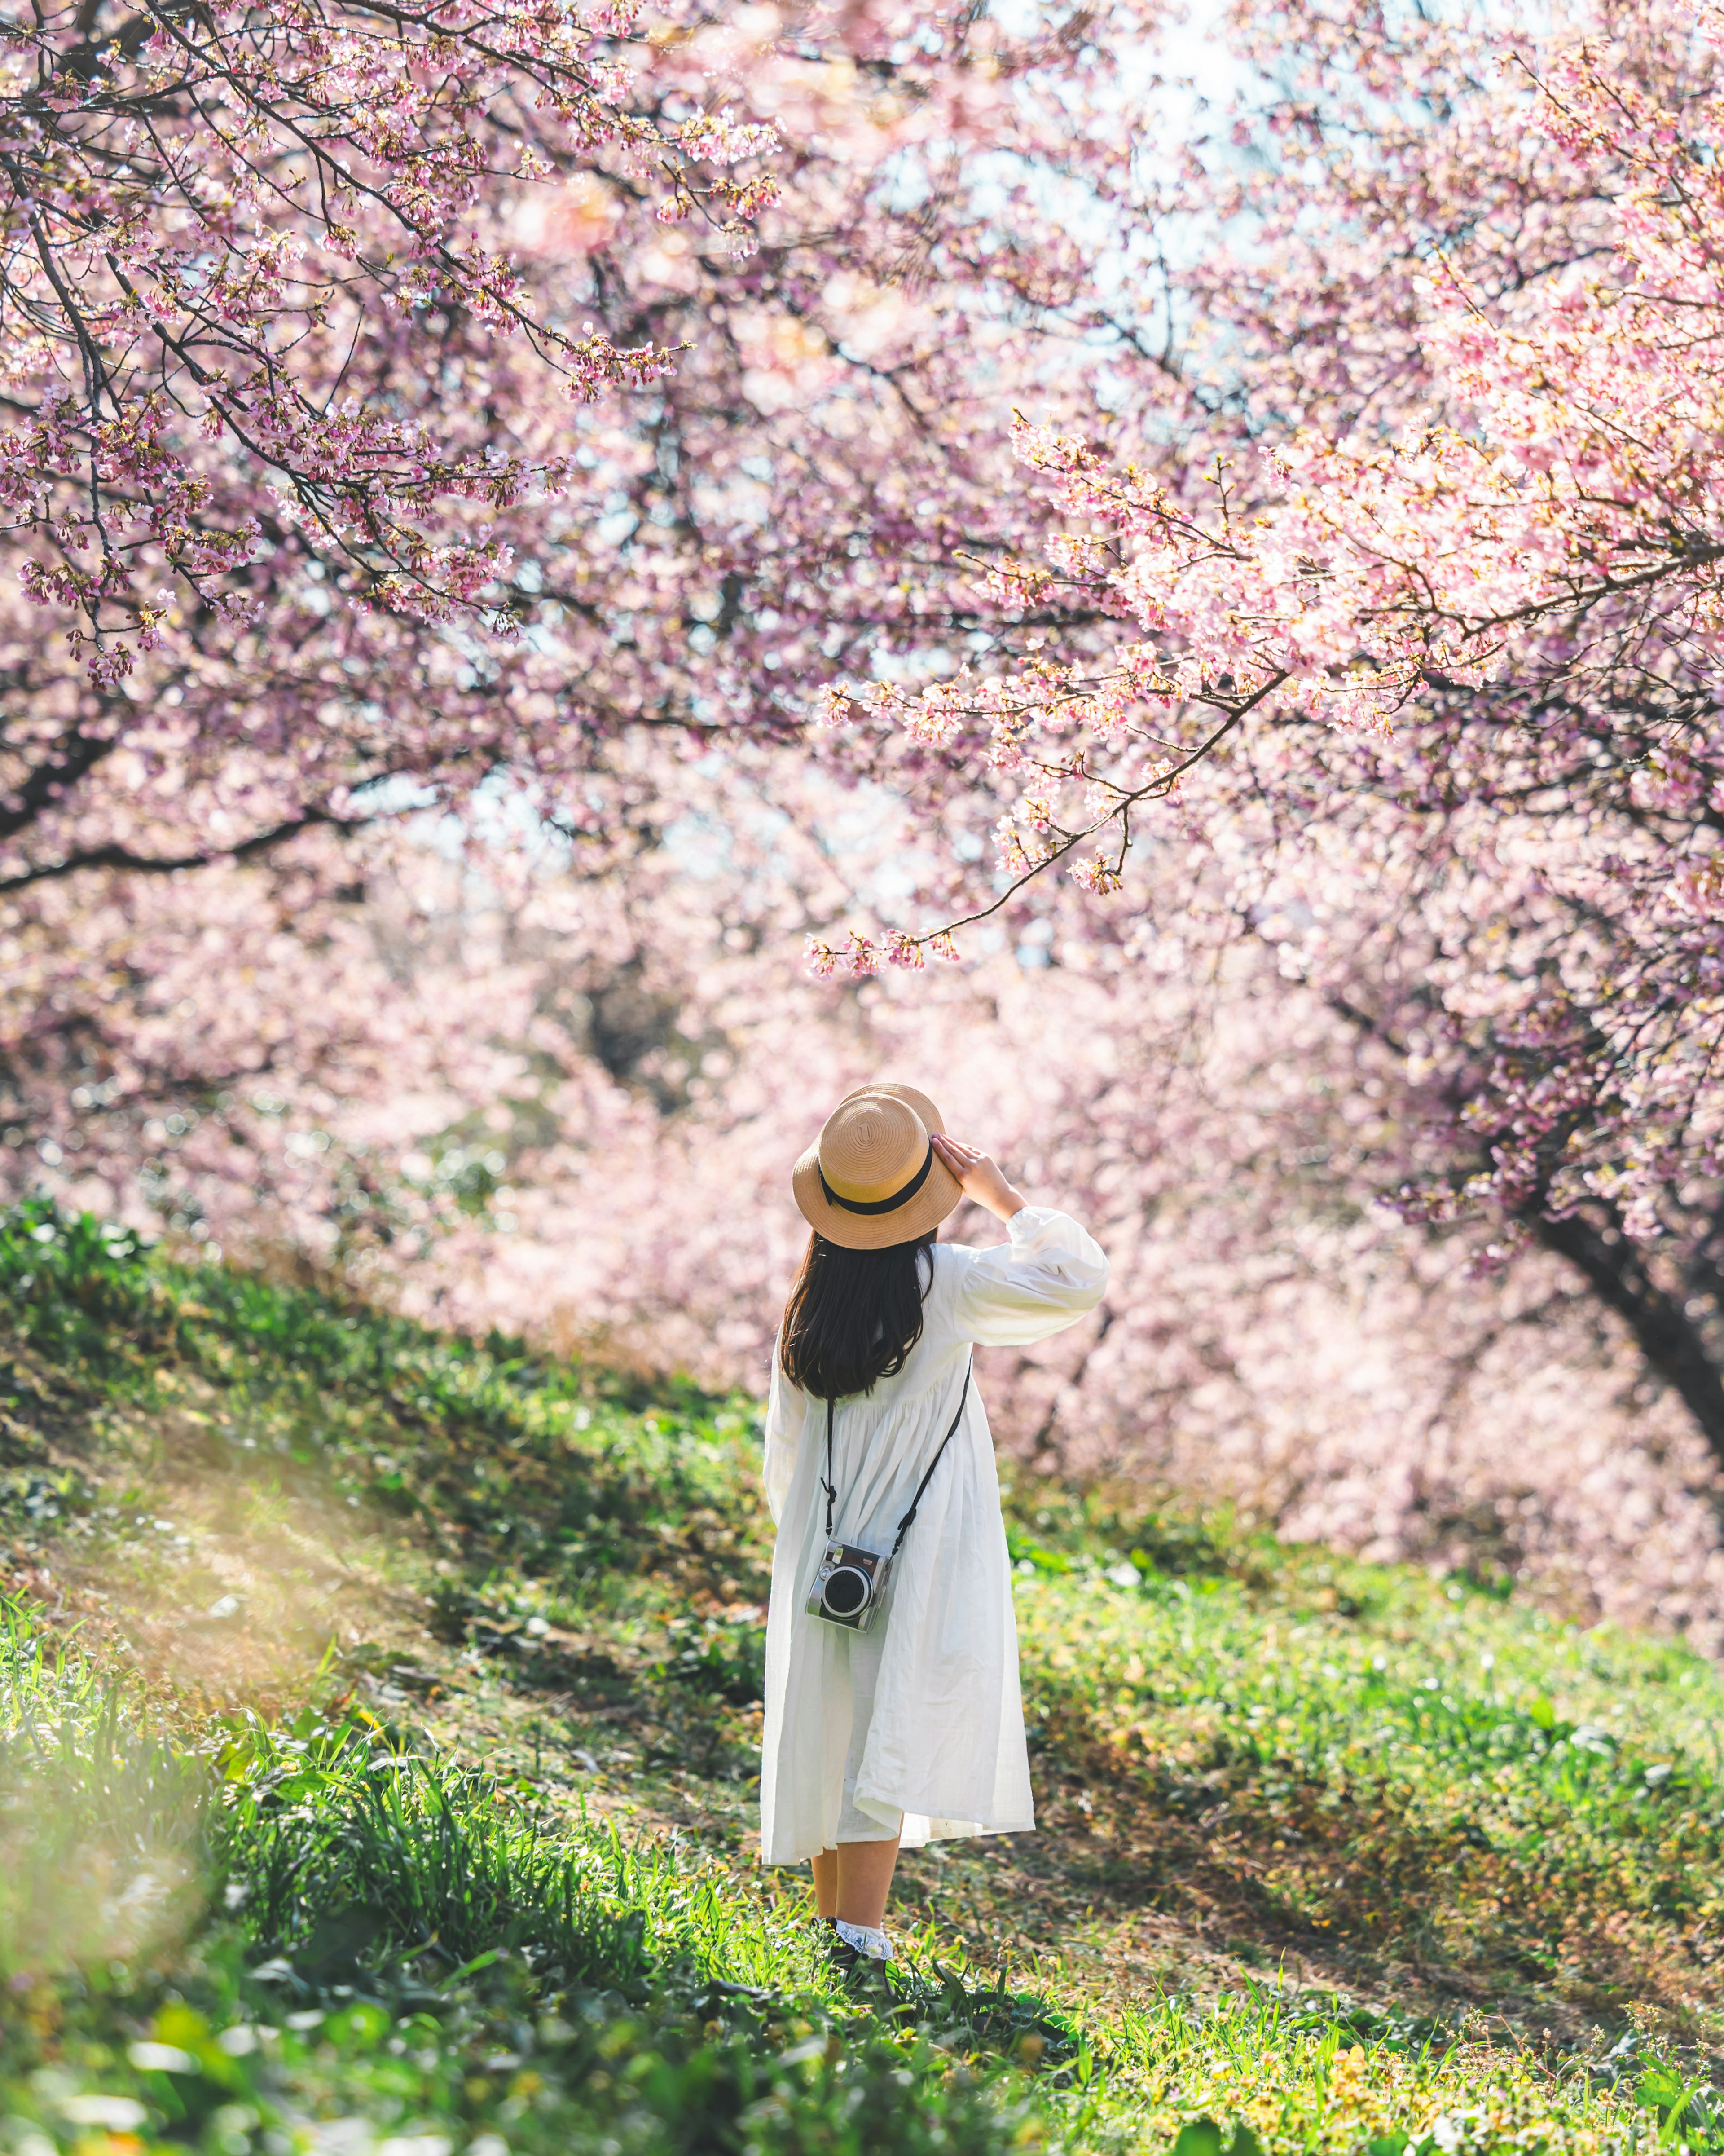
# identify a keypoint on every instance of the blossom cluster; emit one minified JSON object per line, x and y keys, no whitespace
{"x":209,"y":221}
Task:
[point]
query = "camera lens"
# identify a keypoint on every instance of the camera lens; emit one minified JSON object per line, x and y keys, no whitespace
{"x":846,"y":1591}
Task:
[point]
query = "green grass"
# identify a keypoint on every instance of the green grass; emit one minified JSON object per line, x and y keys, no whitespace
{"x":393,"y":1949}
{"x":573,"y":1476}
{"x":391,"y":1946}
{"x":1334,"y":1858}
{"x":1467,"y":1780}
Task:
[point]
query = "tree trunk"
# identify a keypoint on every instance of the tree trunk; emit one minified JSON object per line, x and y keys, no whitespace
{"x":1616,"y":1270}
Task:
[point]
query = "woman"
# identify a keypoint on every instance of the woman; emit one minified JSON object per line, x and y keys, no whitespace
{"x":910,"y":1730}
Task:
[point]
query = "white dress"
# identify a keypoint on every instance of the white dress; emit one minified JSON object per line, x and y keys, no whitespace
{"x":919,"y":1719}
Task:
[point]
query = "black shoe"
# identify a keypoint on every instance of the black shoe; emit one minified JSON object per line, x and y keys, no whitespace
{"x":842,"y":1956}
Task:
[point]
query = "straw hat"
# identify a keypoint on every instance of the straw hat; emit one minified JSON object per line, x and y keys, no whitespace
{"x":875,"y":1178}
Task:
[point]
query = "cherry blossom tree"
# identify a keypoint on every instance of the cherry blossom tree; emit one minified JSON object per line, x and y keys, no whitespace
{"x":1426,"y":622}
{"x":1423,"y":753}
{"x":398,"y":399}
{"x":1517,"y":520}
{"x":407,"y":409}
{"x":275,"y":381}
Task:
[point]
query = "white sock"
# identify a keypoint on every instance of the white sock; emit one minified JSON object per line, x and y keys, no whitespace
{"x":866,"y":1939}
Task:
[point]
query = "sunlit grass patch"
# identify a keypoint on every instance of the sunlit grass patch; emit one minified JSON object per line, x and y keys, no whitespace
{"x":1463,"y":1780}
{"x":346,"y":1847}
{"x":104,"y":1823}
{"x":1314,"y":2072}
{"x":384,"y":1947}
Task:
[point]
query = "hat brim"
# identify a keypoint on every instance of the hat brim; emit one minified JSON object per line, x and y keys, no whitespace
{"x":939,"y":1197}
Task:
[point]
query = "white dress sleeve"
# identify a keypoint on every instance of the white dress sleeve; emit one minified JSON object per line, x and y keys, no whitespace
{"x":787,"y":1409}
{"x":1033,"y":1286}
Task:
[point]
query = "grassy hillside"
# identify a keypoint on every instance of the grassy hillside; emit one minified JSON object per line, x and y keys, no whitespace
{"x":378,"y":1722}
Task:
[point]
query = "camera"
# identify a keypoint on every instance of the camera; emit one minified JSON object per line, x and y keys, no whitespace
{"x":848,"y":1586}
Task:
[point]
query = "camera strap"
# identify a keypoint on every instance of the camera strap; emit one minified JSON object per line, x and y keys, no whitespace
{"x":904,"y":1525}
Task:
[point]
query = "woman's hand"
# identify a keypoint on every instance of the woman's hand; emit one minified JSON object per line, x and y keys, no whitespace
{"x":979,"y":1179}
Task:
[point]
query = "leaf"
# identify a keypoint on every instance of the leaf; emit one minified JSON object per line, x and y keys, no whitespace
{"x":472,"y":1968}
{"x":1659,"y":2089}
{"x":1201,"y":2137}
{"x":1244,"y":2140}
{"x":1542,"y":1714}
{"x":1388,"y":2144}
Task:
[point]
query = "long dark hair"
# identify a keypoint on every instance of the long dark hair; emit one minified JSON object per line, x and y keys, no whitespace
{"x":853,"y":1316}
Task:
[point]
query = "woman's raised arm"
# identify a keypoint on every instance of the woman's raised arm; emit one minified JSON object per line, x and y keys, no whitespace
{"x":1045,"y":1278}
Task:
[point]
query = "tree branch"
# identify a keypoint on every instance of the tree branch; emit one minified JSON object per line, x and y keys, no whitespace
{"x":121,"y":857}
